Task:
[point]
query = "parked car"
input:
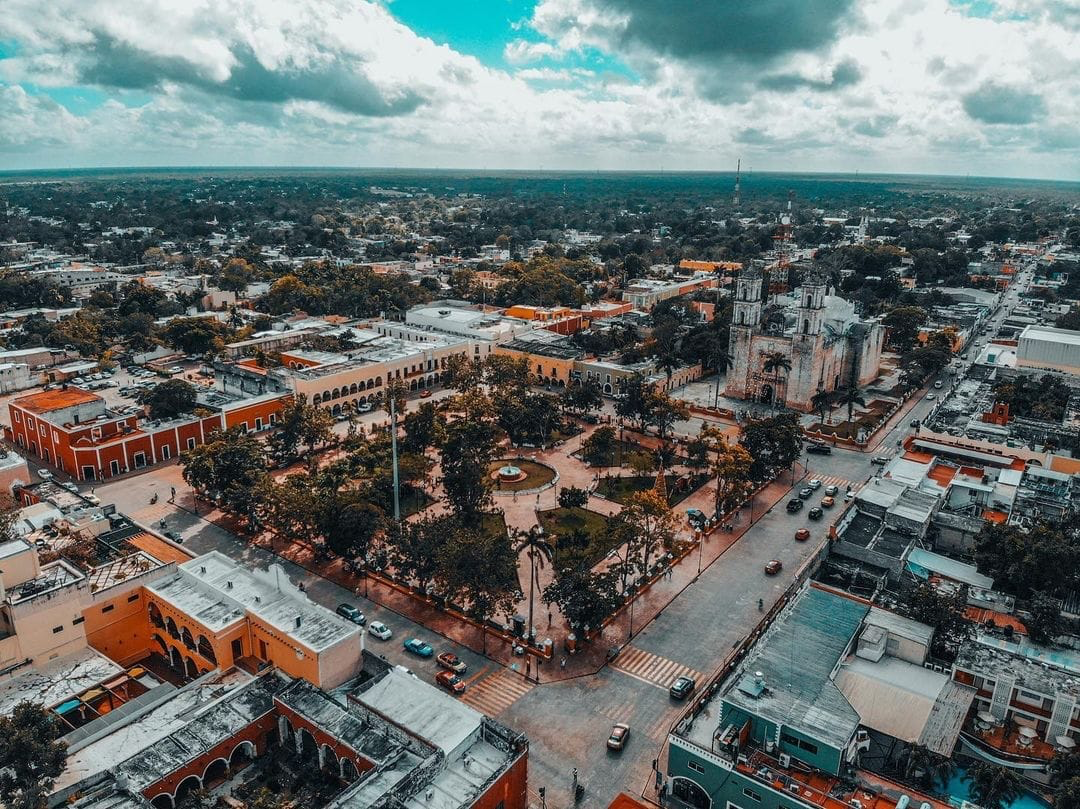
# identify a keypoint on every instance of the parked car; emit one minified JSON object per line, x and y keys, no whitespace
{"x":773,"y":567}
{"x":794,"y":506}
{"x":450,"y":681}
{"x":880,"y":460}
{"x":696,"y":517}
{"x":379,"y":630}
{"x":175,"y":537}
{"x":815,"y":513}
{"x":819,"y":449}
{"x":45,"y":474}
{"x":418,"y":647}
{"x":78,"y":381}
{"x":620,"y":733}
{"x":175,"y":369}
{"x":363,"y":407}
{"x":351,"y":613}
{"x":849,"y":495}
{"x":805,"y":492}
{"x":831,"y":491}
{"x":802,"y":534}
{"x":425,"y":393}
{"x":92,"y":499}
{"x":914,"y":423}
{"x":937,"y":385}
{"x":931,"y":396}
{"x":814,"y":484}
{"x":449,"y":660}
{"x":828,"y":501}
{"x":682,"y":687}
{"x":71,"y":487}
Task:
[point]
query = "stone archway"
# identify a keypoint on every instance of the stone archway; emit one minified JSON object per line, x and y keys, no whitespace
{"x":766,"y":394}
{"x":216,"y":771}
{"x":242,"y":755}
{"x":187,"y":786}
{"x":328,"y":759}
{"x":306,"y":746}
{"x":162,"y":801}
{"x":348,"y":770}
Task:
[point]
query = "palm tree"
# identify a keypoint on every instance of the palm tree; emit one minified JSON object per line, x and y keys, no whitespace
{"x":775,"y":362}
{"x":851,"y":396}
{"x":821,"y":400}
{"x":993,"y":787}
{"x":926,"y":768}
{"x":539,"y":550}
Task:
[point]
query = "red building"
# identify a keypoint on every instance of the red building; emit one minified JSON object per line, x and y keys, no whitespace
{"x":75,"y":431}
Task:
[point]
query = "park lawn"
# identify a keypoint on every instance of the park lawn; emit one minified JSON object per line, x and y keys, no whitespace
{"x":622,"y":489}
{"x":493,"y":525}
{"x":414,"y":500}
{"x":559,"y":521}
{"x":619,"y":454}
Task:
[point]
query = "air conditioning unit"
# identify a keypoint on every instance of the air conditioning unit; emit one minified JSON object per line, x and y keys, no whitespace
{"x":785,"y":760}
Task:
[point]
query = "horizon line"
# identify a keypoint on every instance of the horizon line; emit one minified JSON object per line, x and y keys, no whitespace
{"x":507,"y":171}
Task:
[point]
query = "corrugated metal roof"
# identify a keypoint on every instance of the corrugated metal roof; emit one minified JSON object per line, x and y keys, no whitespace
{"x":796,"y":659}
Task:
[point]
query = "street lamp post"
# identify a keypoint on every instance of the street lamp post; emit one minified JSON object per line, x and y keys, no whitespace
{"x":700,"y":545}
{"x":633,"y":598}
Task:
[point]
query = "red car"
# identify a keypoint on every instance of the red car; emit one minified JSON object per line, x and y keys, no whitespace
{"x":802,"y":534}
{"x":773,"y":567}
{"x":449,"y":660}
{"x":451,"y":682}
{"x":425,"y":393}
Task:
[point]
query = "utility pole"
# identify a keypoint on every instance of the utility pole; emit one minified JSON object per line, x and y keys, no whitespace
{"x":393,"y":449}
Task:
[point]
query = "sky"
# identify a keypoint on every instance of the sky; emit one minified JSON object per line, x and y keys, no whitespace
{"x":980,"y":87}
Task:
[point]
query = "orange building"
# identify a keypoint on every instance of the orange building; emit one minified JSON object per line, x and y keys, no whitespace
{"x":73,"y":429}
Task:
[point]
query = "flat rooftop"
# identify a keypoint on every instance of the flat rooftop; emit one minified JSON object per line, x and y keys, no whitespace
{"x":796,"y":657}
{"x":217,"y":592}
{"x":58,"y":680}
{"x":1051,"y":335}
{"x":58,"y":399}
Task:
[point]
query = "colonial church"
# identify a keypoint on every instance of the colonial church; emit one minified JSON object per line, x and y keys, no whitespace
{"x":828,"y":345}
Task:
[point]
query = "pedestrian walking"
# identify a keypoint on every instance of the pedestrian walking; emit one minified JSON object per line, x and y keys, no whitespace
{"x":562,"y":663}
{"x":172,"y":494}
{"x":549,"y":619}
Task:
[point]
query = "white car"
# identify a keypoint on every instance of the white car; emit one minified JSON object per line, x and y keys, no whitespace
{"x":931,"y":396}
{"x":92,"y":499}
{"x":176,"y":369}
{"x":71,"y":487}
{"x":814,"y":484}
{"x":380,"y":630}
{"x":44,"y":474}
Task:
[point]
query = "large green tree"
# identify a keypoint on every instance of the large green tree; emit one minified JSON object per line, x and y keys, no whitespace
{"x":169,"y":399}
{"x":467,"y":454}
{"x":31,"y":756}
{"x":228,"y":468}
{"x":1044,"y":558}
{"x":774,"y":443}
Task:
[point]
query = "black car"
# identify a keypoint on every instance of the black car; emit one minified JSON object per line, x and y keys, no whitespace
{"x":351,"y":613}
{"x":794,"y":505}
{"x":682,"y":688}
{"x":815,"y":513}
{"x":819,"y":449}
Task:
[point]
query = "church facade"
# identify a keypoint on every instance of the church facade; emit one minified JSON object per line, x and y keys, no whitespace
{"x":828,"y":346}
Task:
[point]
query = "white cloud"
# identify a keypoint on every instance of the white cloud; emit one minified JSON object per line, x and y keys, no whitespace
{"x":894,"y":85}
{"x":522,"y":51}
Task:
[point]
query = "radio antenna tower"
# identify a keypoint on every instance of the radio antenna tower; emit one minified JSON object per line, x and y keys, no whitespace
{"x":738,"y":171}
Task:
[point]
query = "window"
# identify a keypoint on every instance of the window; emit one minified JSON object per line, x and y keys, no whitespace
{"x":29,"y":422}
{"x":78,"y":621}
{"x":243,"y":427}
{"x":809,"y":748}
{"x":191,"y":443}
{"x":140,"y":460}
{"x":108,"y":608}
{"x":258,"y":424}
{"x":114,"y":467}
{"x":18,"y":417}
{"x":752,"y":795}
{"x":43,"y":431}
{"x":133,"y":598}
{"x":166,"y":453}
{"x":693,"y":765}
{"x":56,"y":630}
{"x":273,"y":421}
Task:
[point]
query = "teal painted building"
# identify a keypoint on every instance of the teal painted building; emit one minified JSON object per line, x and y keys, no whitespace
{"x":778,"y":732}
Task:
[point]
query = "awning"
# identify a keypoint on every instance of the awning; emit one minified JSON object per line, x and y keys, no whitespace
{"x":68,"y":706}
{"x":138,"y":671}
{"x":93,"y":693}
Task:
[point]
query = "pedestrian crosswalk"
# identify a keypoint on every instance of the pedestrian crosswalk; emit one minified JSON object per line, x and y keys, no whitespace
{"x":652,"y":668}
{"x":829,"y":480}
{"x":495,"y":693}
